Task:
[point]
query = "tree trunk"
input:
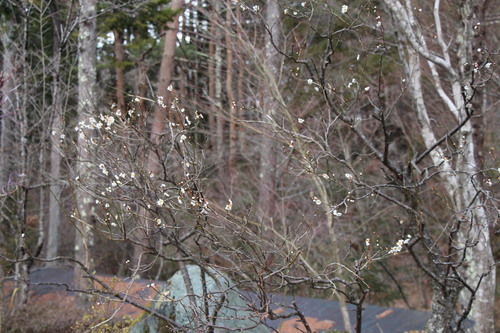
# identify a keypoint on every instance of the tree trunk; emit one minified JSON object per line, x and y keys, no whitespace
{"x":479,"y":259}
{"x":459,"y":178}
{"x":160,"y":114}
{"x":142,"y":88}
{"x":220,"y":123}
{"x":8,"y":105}
{"x":230,"y":93}
{"x":240,"y":103}
{"x":120,"y":77}
{"x":87,"y":61}
{"x":2,"y":301}
{"x":21,"y":274}
{"x":267,"y":174}
{"x":56,"y":138}
{"x":211,"y":86}
{"x":440,"y":314}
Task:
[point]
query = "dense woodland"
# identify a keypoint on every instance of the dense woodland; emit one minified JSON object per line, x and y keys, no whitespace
{"x":335,"y":149}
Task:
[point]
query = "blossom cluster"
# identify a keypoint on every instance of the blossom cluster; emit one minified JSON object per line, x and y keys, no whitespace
{"x":399,"y":245}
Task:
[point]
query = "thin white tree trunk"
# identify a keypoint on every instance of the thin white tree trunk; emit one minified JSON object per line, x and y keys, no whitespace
{"x":55,"y":161}
{"x":459,"y":179}
{"x":87,"y":46}
{"x":270,"y":106}
{"x":220,"y":123}
{"x":9,"y":103}
{"x":21,"y":172}
{"x":479,"y":259}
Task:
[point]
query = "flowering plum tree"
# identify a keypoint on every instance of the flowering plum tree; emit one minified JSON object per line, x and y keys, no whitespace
{"x":350,"y":144}
{"x":307,"y":148}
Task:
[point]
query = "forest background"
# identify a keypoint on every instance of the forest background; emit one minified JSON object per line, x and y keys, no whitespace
{"x":343,"y":150}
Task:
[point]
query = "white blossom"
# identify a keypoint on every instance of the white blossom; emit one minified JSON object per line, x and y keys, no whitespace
{"x":316,"y":201}
{"x":160,"y":102}
{"x":300,"y":120}
{"x":109,"y":120}
{"x":397,"y":248}
{"x":310,"y":81}
{"x":399,"y":245}
{"x":160,"y":202}
{"x":103,"y":169}
{"x":229,"y":205}
{"x":345,"y":8}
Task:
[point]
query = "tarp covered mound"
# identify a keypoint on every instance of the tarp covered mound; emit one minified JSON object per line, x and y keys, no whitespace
{"x":227,"y":310}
